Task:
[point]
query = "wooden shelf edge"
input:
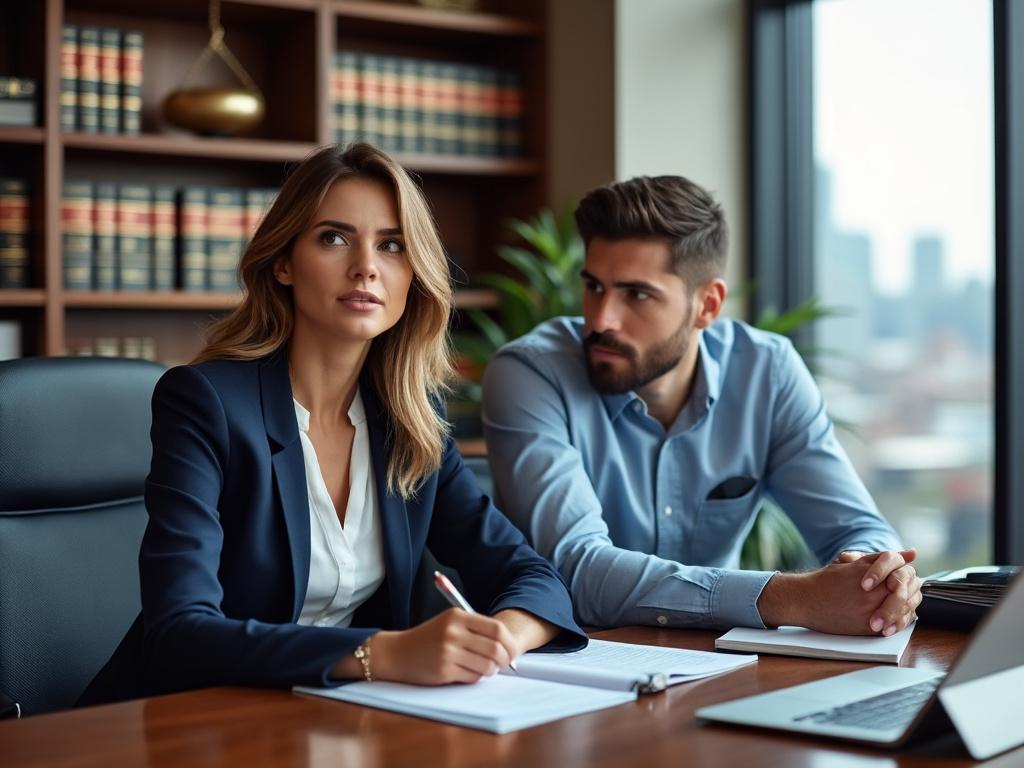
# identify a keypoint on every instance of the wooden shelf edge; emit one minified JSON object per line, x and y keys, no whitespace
{"x":20,"y":135}
{"x":185,"y":146}
{"x":432,"y":18}
{"x":296,"y":5}
{"x":276,"y":151}
{"x":149,"y":300}
{"x":476,"y":298}
{"x":22,"y":297}
{"x":467,"y":165}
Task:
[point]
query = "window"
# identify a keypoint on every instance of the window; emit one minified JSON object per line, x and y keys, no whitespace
{"x":904,"y":232}
{"x":886,"y":167}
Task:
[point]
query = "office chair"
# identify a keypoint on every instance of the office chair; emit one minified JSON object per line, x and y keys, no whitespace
{"x":74,"y":455}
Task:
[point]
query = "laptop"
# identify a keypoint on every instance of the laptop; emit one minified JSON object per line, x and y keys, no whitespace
{"x":979,"y":698}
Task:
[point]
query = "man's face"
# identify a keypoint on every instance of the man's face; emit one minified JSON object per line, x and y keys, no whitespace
{"x":638,"y":316}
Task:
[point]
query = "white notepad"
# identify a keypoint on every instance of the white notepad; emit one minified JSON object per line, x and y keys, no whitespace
{"x":547,"y":687}
{"x":797,"y":641}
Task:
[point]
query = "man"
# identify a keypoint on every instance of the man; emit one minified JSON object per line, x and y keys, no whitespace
{"x":634,"y":445}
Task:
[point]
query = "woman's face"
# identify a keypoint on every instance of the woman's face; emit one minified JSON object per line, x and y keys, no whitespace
{"x":349,"y":272}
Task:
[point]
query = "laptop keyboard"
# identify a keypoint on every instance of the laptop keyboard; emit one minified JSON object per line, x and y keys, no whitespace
{"x":894,"y":709}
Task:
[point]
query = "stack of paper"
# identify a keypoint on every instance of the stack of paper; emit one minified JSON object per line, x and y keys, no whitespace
{"x":982,"y":585}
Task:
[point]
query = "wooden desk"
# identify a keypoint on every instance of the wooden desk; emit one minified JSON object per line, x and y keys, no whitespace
{"x":251,"y":727}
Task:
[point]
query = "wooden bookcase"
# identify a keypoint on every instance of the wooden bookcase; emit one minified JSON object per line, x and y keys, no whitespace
{"x":288,"y":47}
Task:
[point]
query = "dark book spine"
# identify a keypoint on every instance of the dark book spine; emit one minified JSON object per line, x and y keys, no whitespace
{"x":226,"y":238}
{"x":193,"y":216}
{"x":346,"y":97}
{"x":110,"y":80}
{"x":89,"y":79}
{"x":369,"y":99}
{"x":13,"y":233}
{"x":471,"y":110}
{"x":165,"y":231}
{"x":257,"y":203}
{"x":135,"y":231}
{"x":68,"y":77}
{"x":104,"y":217}
{"x":76,"y":223}
{"x":390,"y":125}
{"x":410,"y":116}
{"x":131,"y":83}
{"x":490,"y":128}
{"x":430,"y":105}
{"x":511,"y":115}
{"x":448,"y":109}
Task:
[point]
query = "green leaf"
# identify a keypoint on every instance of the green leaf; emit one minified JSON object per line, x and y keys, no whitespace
{"x":805,"y":313}
{"x":526,"y":263}
{"x":519,"y":310}
{"x":490,"y":329}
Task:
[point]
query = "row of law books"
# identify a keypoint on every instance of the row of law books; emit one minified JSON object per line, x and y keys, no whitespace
{"x":100,"y":80}
{"x":434,"y":107}
{"x":142,"y":237}
{"x":14,"y":233}
{"x":138,"y":347}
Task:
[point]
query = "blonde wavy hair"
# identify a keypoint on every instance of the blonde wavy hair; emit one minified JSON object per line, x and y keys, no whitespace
{"x":411,"y":362}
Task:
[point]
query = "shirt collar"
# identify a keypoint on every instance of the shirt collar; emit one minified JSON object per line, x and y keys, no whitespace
{"x":708,"y":365}
{"x":616,"y":404}
{"x":706,"y":387}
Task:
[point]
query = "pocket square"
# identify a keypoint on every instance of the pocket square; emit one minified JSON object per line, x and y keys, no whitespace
{"x":732,"y":488}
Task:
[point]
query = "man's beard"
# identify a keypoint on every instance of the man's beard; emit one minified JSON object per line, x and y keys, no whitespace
{"x":659,"y":360}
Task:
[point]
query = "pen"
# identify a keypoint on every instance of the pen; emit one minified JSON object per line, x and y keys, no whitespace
{"x":455,"y":598}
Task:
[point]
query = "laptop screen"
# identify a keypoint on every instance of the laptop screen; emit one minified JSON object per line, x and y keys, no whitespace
{"x":998,"y":642}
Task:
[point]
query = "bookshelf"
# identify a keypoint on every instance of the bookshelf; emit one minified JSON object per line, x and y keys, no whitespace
{"x":288,"y":46}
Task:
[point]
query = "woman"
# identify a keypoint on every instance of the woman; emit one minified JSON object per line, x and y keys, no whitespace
{"x":301,"y":465}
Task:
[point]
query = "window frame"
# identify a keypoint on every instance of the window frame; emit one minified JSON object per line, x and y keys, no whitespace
{"x":781,"y":212}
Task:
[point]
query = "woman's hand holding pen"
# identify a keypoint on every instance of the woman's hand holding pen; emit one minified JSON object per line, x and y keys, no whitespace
{"x":457,"y":646}
{"x":453,"y":647}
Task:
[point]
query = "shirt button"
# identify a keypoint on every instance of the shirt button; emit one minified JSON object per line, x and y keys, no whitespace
{"x":668,"y":511}
{"x":663,"y":620}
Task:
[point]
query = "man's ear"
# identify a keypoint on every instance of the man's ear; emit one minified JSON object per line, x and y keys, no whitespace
{"x":709,"y":301}
{"x":282,"y":271}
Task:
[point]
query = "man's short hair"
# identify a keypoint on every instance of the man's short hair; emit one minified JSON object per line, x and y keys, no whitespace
{"x":668,"y":207}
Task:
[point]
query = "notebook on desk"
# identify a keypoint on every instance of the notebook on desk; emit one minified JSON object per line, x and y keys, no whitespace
{"x":797,"y":641}
{"x":546,"y":687}
{"x":889,"y":706}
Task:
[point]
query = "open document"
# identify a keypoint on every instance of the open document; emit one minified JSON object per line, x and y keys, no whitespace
{"x":547,"y":687}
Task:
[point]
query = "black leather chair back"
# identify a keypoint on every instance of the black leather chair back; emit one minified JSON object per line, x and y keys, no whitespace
{"x":74,"y":455}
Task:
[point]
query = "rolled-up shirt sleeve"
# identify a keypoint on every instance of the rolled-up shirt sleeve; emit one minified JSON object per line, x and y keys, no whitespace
{"x":542,"y":484}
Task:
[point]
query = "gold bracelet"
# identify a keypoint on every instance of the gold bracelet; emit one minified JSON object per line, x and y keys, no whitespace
{"x":362,"y":653}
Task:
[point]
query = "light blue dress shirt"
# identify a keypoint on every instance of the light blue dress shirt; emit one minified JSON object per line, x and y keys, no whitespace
{"x":629,"y":513}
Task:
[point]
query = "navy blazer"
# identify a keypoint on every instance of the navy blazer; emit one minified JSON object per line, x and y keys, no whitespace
{"x":224,"y":562}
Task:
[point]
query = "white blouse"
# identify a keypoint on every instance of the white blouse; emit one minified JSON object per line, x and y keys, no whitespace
{"x":346,"y":564}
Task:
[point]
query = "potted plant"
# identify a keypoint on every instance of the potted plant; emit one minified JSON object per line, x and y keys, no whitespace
{"x":547,"y":285}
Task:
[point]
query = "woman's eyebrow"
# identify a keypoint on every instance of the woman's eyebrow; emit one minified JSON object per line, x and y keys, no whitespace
{"x":344,"y":227}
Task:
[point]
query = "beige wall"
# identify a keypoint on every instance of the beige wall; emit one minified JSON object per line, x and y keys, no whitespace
{"x":679,"y":81}
{"x":650,"y":87}
{"x":581,"y":98}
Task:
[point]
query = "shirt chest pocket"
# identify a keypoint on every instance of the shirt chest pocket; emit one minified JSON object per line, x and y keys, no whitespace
{"x":724,"y":522}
